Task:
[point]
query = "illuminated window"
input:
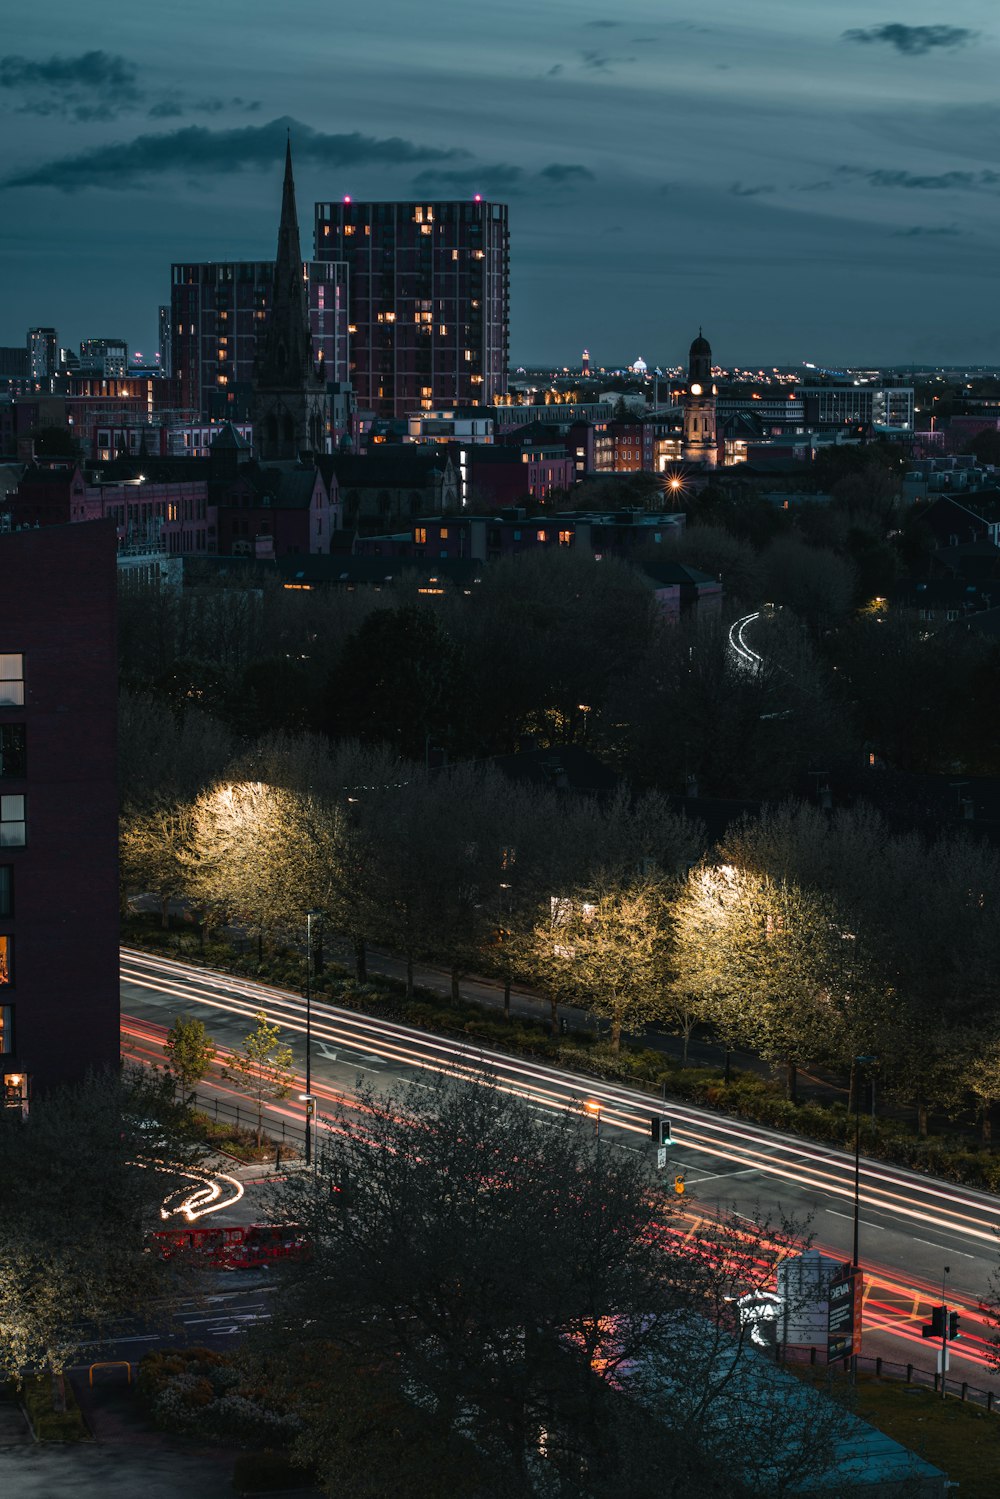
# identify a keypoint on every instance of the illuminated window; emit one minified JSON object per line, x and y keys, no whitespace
{"x":426,"y":229}
{"x":12,"y":751}
{"x":479,"y":254}
{"x":11,"y":681}
{"x":539,"y":535}
{"x":468,"y":355}
{"x":348,"y":229}
{"x":443,"y":329}
{"x":6,"y":1029}
{"x":6,"y":959}
{"x":444,"y":533}
{"x":12,"y":821}
{"x":420,"y":535}
{"x":454,"y":254}
{"x":565,"y":537}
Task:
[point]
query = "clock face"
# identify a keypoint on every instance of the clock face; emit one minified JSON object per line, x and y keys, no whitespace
{"x":696,"y":390}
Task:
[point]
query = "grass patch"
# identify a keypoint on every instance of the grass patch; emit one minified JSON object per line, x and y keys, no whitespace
{"x":962,"y":1440}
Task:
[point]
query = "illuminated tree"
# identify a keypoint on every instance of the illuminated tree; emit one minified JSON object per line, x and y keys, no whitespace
{"x":157,"y":852}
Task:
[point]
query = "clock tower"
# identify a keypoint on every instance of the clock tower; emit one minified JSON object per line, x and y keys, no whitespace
{"x":700,"y":444}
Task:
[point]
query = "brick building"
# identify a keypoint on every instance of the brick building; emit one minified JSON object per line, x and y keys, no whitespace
{"x":59,"y":1001}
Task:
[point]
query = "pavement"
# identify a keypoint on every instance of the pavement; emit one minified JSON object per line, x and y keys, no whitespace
{"x":128,"y":1458}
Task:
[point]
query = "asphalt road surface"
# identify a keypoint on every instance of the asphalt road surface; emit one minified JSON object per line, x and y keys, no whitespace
{"x":912,"y":1226}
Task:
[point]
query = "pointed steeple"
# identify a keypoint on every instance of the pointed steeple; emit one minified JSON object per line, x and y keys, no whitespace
{"x":286,"y":357}
{"x":291,"y":408}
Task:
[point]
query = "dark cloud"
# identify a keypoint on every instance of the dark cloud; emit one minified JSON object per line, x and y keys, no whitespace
{"x":602,"y":62}
{"x":919,"y":231}
{"x":561,"y":171}
{"x":554,"y":70}
{"x":739,"y":191}
{"x":90,"y":86}
{"x":492,"y":181}
{"x":914,"y":41}
{"x":201,"y":152}
{"x":167,"y":109}
{"x":924,"y":181}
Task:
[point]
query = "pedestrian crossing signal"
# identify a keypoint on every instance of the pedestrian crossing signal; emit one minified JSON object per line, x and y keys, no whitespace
{"x":679,"y":1186}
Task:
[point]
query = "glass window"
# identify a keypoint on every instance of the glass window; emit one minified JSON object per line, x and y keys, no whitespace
{"x":11,"y":681}
{"x":12,"y":821}
{"x":6,"y":890}
{"x":12,"y":751}
{"x":6,"y":958}
{"x":6,"y":1029}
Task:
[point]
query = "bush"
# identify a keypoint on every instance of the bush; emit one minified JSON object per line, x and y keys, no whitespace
{"x":199,"y":1392}
{"x":268,"y":1472}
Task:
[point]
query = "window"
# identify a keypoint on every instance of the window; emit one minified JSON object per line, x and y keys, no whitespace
{"x":6,"y":959}
{"x":6,"y":890}
{"x":539,"y":535}
{"x":11,"y":681}
{"x":420,"y":535}
{"x":12,"y":751}
{"x":565,"y":538}
{"x":444,"y":533}
{"x":12,"y":821}
{"x":6,"y":1029}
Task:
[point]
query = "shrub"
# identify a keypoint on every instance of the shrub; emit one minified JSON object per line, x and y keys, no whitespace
{"x":51,"y":1425}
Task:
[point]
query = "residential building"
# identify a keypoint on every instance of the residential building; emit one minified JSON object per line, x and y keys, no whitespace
{"x":59,"y":999}
{"x":217,"y":311}
{"x":429,"y":288}
{"x":43,"y":353}
{"x":164,"y":342}
{"x":391,"y":485}
{"x":492,"y":476}
{"x":515,"y":532}
{"x":107,"y":357}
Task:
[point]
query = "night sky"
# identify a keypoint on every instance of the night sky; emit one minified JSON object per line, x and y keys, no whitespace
{"x":810,"y":182}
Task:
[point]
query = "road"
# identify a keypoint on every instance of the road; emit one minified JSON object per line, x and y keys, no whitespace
{"x":912,"y":1226}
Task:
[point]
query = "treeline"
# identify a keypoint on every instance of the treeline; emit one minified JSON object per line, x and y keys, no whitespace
{"x":806,"y":938}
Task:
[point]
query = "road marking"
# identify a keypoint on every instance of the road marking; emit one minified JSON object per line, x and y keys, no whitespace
{"x":718,"y":1175}
{"x":944,"y":1248}
{"x":850,"y":1218}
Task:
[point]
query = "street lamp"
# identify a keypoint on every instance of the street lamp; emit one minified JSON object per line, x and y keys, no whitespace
{"x":858,"y":1062}
{"x":311,"y":916}
{"x":593,"y":1108}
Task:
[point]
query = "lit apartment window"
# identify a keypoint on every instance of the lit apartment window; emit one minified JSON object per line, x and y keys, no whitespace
{"x":444,"y":533}
{"x":12,"y":751}
{"x":12,"y":821}
{"x":539,"y":535}
{"x":565,"y":537}
{"x":426,"y":229}
{"x":6,"y":959}
{"x":6,"y":1029}
{"x":11,"y":681}
{"x":420,"y":535}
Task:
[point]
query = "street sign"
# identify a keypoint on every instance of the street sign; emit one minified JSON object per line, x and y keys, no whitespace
{"x":843,"y":1326}
{"x":661,"y":1157}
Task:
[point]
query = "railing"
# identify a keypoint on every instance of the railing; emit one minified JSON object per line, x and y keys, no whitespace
{"x":882,"y":1368}
{"x":245,"y":1117}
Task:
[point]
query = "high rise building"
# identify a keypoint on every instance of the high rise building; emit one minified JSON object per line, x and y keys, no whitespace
{"x":43,"y":353}
{"x":218,"y":309}
{"x":291,"y":407}
{"x":165,"y":353}
{"x":58,"y":807}
{"x":429,"y":291}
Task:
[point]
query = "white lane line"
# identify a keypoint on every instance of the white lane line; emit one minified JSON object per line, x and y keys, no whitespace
{"x":944,"y":1248}
{"x":866,"y":1222}
{"x":718,"y":1175}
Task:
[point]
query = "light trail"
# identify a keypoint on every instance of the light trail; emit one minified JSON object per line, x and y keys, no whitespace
{"x":896,"y":1192}
{"x":738,"y":643}
{"x":206,"y":1197}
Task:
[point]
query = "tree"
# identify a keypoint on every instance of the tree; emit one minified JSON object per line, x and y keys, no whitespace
{"x":524,"y":1287}
{"x":607,"y":946}
{"x":190,"y":1052}
{"x":157,"y":852}
{"x":83,"y":1180}
{"x":265,"y":1067}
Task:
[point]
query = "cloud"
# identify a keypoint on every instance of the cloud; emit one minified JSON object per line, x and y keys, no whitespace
{"x":602,"y":62}
{"x":739,"y":191}
{"x":919,"y":231}
{"x":924,"y":181}
{"x":561,"y":171}
{"x":89,"y":86}
{"x":913,"y":41}
{"x":201,"y":152}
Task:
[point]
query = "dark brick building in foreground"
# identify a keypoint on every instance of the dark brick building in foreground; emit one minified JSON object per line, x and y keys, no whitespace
{"x":58,"y":807}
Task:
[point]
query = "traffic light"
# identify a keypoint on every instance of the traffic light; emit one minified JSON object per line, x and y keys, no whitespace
{"x":953,"y":1331}
{"x":659,"y":1130}
{"x":936,"y":1326}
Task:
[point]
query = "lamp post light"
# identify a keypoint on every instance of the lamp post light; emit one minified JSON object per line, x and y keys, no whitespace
{"x":859,"y":1062}
{"x":311,"y":916}
{"x":593,"y":1108}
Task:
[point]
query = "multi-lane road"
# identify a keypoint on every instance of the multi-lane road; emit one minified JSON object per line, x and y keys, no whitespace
{"x":912,"y":1226}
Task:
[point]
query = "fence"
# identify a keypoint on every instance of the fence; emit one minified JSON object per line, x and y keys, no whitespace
{"x":245,"y":1117}
{"x":910,"y":1374}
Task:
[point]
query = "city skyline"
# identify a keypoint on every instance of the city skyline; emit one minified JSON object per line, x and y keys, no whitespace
{"x":802,"y":185}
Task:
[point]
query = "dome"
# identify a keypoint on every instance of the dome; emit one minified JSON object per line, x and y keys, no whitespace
{"x":701,"y":346}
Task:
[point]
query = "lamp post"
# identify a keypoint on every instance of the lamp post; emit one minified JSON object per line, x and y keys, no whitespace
{"x":311,"y":916}
{"x":593,"y":1108}
{"x":859,"y":1062}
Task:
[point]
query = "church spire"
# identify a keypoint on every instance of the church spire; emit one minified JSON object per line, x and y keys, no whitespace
{"x":286,"y":357}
